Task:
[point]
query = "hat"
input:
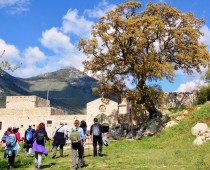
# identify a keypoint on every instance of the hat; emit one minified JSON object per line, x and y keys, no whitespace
{"x":16,"y":127}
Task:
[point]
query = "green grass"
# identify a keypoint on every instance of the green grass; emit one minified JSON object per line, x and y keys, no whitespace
{"x":170,"y":150}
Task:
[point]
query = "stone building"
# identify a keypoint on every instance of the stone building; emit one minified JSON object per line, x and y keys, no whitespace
{"x":31,"y":110}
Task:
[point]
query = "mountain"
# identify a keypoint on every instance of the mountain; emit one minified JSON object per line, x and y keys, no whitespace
{"x":68,"y":89}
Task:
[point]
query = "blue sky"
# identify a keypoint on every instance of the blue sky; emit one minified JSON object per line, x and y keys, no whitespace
{"x":43,"y":34}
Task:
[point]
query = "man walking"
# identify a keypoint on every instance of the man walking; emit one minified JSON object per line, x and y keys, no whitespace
{"x":77,"y":141}
{"x":96,"y":134}
{"x":59,"y":139}
{"x":29,"y":139}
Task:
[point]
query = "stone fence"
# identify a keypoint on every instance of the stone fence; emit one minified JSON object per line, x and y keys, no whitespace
{"x":177,"y":99}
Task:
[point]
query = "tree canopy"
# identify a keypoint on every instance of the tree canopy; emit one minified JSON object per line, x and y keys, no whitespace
{"x":131,"y":48}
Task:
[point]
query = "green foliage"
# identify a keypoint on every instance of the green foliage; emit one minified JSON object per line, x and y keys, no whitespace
{"x":203,"y":94}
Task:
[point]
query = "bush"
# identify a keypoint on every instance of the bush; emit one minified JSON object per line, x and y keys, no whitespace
{"x":203,"y":94}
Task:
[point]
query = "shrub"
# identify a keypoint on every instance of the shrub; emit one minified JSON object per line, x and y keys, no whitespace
{"x":203,"y":94}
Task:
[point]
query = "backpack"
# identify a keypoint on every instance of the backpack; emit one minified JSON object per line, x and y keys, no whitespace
{"x":96,"y":130}
{"x":11,"y":140}
{"x":75,"y":137}
{"x":4,"y":137}
{"x":40,"y":137}
{"x":29,"y":135}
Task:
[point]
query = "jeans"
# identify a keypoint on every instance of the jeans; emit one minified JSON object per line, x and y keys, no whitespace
{"x":11,"y":159}
{"x":97,"y":140}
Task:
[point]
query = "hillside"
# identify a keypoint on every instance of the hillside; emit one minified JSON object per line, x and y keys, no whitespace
{"x":68,"y":88}
{"x":171,"y":149}
{"x":9,"y":86}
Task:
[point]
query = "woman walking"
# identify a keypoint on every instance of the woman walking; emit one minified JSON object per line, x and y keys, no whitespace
{"x":12,"y":147}
{"x":40,"y":136}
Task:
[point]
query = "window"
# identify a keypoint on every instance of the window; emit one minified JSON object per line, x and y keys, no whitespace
{"x":49,"y":123}
{"x":0,"y":125}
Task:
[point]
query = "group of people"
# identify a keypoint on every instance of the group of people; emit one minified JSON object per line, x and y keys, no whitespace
{"x":34,"y":140}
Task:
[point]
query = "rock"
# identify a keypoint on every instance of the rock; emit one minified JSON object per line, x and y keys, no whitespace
{"x":131,"y":134}
{"x":178,"y":118}
{"x":185,"y":112}
{"x":139,"y":134}
{"x":171,"y":123}
{"x":153,"y":128}
{"x":198,"y":141}
{"x":115,"y":133}
{"x":165,"y":119}
{"x":199,"y":128}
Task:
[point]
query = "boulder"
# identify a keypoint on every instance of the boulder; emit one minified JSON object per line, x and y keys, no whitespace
{"x":199,"y":129}
{"x":153,"y":128}
{"x":115,"y":133}
{"x":131,"y":134}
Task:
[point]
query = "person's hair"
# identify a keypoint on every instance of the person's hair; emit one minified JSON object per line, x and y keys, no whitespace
{"x":9,"y":129}
{"x":95,"y":119}
{"x":83,"y":124}
{"x":41,"y":126}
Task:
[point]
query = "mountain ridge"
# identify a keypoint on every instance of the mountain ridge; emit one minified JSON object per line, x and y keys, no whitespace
{"x":67,"y":89}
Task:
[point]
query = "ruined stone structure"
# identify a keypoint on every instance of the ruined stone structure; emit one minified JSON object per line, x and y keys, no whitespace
{"x":31,"y":110}
{"x":174,"y":99}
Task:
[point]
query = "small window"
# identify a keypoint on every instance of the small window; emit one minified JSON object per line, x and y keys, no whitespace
{"x":49,"y":123}
{"x":0,"y":125}
{"x":21,"y":126}
{"x":65,"y":123}
{"x":33,"y":125}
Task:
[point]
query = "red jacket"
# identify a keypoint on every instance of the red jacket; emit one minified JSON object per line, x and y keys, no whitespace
{"x":18,"y":138}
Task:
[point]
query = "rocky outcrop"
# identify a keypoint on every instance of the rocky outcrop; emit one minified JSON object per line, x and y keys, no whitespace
{"x":202,"y":133}
{"x":178,"y":99}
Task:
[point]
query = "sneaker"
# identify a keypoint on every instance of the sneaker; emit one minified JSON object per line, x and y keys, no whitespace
{"x":100,"y":154}
{"x":39,"y":167}
{"x":9,"y":167}
{"x":53,"y":157}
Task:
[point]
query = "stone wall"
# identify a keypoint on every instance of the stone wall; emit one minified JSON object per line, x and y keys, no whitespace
{"x":16,"y":102}
{"x":177,"y":99}
{"x":25,"y":117}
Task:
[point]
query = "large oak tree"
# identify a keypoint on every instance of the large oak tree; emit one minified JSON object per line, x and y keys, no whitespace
{"x":131,"y":48}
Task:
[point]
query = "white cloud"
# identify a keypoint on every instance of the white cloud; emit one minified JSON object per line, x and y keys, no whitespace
{"x":190,"y":86}
{"x":100,"y":10}
{"x":11,"y":52}
{"x":62,"y":52}
{"x":56,"y":41}
{"x":75,"y":24}
{"x":33,"y":55}
{"x":206,"y":38}
{"x":15,"y":6}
